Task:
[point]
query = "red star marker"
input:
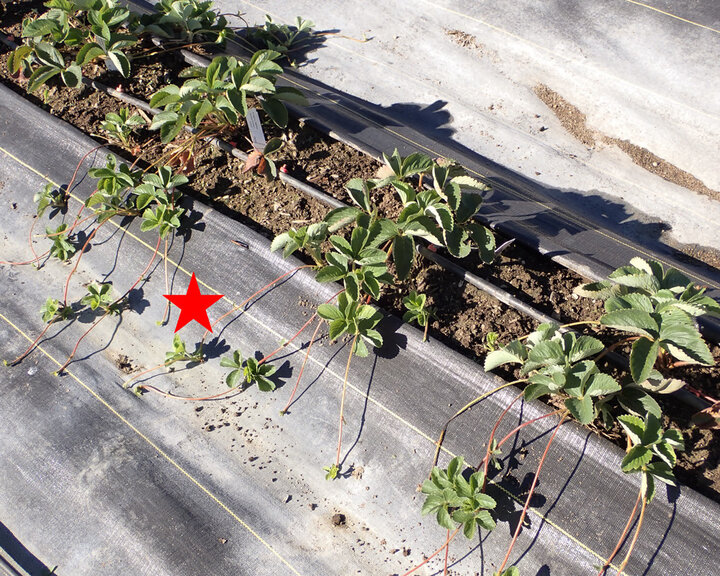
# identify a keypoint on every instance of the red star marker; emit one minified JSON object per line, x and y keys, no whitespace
{"x":193,"y":305}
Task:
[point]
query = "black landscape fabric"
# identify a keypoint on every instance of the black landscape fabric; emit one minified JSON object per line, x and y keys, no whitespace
{"x":95,"y":480}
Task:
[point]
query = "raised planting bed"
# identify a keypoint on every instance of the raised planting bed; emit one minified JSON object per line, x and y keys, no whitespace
{"x":232,"y":259}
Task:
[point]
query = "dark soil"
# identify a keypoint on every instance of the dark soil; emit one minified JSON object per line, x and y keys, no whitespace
{"x":465,"y":315}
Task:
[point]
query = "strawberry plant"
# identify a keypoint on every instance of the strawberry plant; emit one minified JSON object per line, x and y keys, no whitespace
{"x":417,"y":311}
{"x":121,"y":190}
{"x":218,"y":95}
{"x":49,"y":197}
{"x":250,"y":370}
{"x":308,"y":238}
{"x":119,"y":125}
{"x":440,"y":212}
{"x":658,"y":307}
{"x":99,"y":296}
{"x":52,"y":310}
{"x":357,"y":321}
{"x":85,"y":31}
{"x":653,"y":311}
{"x":282,"y":38}
{"x":458,"y":502}
{"x":187,"y":21}
{"x":61,"y":248}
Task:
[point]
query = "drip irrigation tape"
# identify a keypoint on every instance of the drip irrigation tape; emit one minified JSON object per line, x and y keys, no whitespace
{"x":533,"y":237}
{"x":481,"y":284}
{"x":485,"y":286}
{"x":7,"y":569}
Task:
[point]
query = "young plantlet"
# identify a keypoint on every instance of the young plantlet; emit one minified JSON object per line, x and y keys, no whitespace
{"x":651,"y":453}
{"x":309,"y":238}
{"x":490,"y":341}
{"x":49,"y":197}
{"x":178,"y":353}
{"x":457,"y":503}
{"x":282,"y":38}
{"x":62,"y":248}
{"x":359,"y":321}
{"x":331,"y":472}
{"x":100,"y":297}
{"x":250,"y":369}
{"x":51,"y":311}
{"x":118,"y":126}
{"x":494,"y":454}
{"x":417,"y":312}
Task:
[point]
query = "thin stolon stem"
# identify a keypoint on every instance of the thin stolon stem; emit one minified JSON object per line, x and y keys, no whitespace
{"x":25,"y":262}
{"x":492,"y":436}
{"x":107,"y":311}
{"x":302,"y":368}
{"x":342,"y":402}
{"x":33,"y":344}
{"x":443,"y":547}
{"x":77,"y":260}
{"x":252,"y":296}
{"x":126,"y":384}
{"x":447,"y":552}
{"x":284,"y":344}
{"x":438,"y":444}
{"x":608,"y":562}
{"x":531,"y":492}
{"x":188,"y":398}
{"x":234,"y":389}
{"x":521,"y":426}
{"x":635,"y":537}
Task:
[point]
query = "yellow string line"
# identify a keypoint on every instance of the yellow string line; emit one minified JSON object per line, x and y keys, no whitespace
{"x":235,"y":516}
{"x":316,"y":362}
{"x":157,"y":448}
{"x":673,"y":16}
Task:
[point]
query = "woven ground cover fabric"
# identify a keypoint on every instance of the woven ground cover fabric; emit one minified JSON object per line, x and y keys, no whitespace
{"x":96,"y":480}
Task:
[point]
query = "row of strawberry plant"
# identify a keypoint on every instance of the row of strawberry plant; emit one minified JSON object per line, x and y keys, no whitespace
{"x":653,"y":311}
{"x":653,"y":308}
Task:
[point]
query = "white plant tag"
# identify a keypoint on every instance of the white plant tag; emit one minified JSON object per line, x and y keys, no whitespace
{"x":256,"y":130}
